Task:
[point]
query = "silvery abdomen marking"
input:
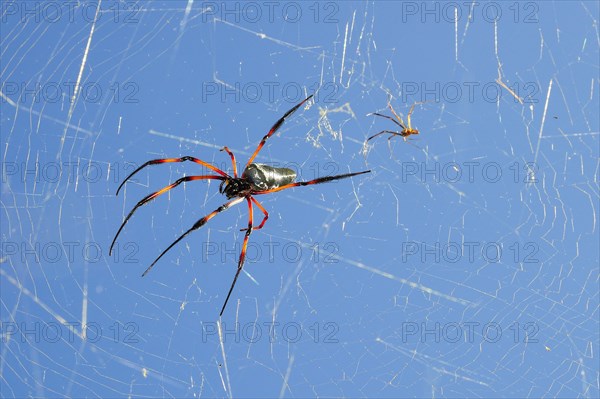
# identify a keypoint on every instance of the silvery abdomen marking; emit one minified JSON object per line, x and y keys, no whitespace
{"x":265,"y":177}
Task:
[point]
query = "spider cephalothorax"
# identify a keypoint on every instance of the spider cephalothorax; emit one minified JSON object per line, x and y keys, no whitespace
{"x":235,"y":187}
{"x":255,"y":180}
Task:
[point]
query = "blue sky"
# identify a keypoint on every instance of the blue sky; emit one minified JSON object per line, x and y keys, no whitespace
{"x":464,"y":265}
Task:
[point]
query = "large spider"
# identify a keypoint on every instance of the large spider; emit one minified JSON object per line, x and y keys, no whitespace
{"x":407,"y":129}
{"x":256,"y":179}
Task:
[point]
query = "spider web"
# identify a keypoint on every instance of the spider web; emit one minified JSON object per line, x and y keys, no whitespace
{"x":465,"y":264}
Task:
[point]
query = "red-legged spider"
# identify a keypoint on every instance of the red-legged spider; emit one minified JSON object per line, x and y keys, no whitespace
{"x":407,"y":129}
{"x":256,"y":179}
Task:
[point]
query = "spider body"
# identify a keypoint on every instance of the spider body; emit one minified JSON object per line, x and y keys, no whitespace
{"x":408,"y":132}
{"x":256,"y":179}
{"x":407,"y":129}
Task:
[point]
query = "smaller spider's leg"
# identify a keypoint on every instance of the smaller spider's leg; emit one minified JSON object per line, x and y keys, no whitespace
{"x":315,"y":181}
{"x":263,"y":210}
{"x":275,"y":127}
{"x":409,"y":114}
{"x":169,"y":160}
{"x":196,"y":226}
{"x":411,"y":111}
{"x":389,"y":143}
{"x":232,"y":160}
{"x":398,"y":117}
{"x":410,"y":141}
{"x":384,"y":132}
{"x":392,"y":136}
{"x":242,"y":254}
{"x":390,"y":118}
{"x":150,"y":197}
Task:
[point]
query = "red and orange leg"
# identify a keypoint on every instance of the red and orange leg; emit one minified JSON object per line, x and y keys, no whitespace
{"x":170,"y":160}
{"x":274,"y":129}
{"x":308,"y":183}
{"x":265,"y":215}
{"x":242,"y":253}
{"x":232,"y":160}
{"x":196,"y":226}
{"x":150,"y":197}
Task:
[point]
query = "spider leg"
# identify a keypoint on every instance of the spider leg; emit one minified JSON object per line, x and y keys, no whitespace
{"x":276,"y":127}
{"x":242,"y":253}
{"x":168,"y":160}
{"x":263,"y":210}
{"x":150,"y":197}
{"x":392,"y":136}
{"x":398,"y":117}
{"x":196,"y":226}
{"x":409,"y":141}
{"x":384,"y":132}
{"x":232,"y":160}
{"x":410,"y":113}
{"x":315,"y":181}
{"x":390,"y":118}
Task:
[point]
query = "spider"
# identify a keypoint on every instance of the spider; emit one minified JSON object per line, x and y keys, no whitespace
{"x":256,"y":179}
{"x":406,"y":130}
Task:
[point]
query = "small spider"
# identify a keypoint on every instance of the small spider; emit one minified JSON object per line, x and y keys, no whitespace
{"x":406,"y":131}
{"x":256,"y":179}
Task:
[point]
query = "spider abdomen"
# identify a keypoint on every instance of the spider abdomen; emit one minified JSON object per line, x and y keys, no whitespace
{"x":265,"y":177}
